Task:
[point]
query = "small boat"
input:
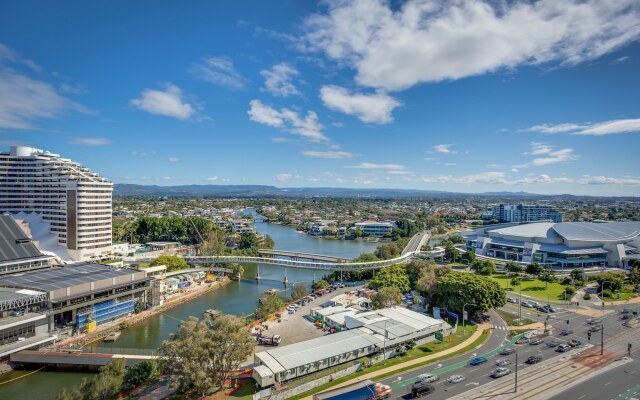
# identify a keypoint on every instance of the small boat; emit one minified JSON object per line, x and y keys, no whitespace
{"x":272,"y":291}
{"x":113,"y":336}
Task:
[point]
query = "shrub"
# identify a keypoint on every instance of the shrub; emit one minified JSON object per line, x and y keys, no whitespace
{"x":566,"y":281}
{"x":587,"y":296}
{"x":570,"y":290}
{"x":607,"y":293}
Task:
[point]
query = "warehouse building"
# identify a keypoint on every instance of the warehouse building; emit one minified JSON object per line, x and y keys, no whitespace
{"x":367,"y":333}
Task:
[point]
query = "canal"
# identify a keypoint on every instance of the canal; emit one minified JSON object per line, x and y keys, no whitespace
{"x":237,"y":298}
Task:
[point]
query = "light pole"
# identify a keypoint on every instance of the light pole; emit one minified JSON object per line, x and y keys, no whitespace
{"x":466,"y":304}
{"x":602,"y":290}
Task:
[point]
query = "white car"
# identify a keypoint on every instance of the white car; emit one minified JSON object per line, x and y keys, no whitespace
{"x":456,"y":379}
{"x":501,"y":362}
{"x":428,"y":378}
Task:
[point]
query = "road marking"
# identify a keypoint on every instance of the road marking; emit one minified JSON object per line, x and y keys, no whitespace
{"x":472,"y":384}
{"x":608,"y":383}
{"x":584,"y":395}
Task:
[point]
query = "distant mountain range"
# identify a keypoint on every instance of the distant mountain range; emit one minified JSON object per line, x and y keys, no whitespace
{"x":129,"y":190}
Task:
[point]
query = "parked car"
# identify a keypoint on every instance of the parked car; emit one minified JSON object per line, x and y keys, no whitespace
{"x":533,"y":359}
{"x":500,"y":372}
{"x":566,"y":332}
{"x":552,"y":343}
{"x":478,"y":361}
{"x":536,"y":341}
{"x":507,"y":351}
{"x":563,"y":348}
{"x":575,"y":342}
{"x":512,"y":300}
{"x":522,"y":340}
{"x":502,"y":362}
{"x":456,"y":379}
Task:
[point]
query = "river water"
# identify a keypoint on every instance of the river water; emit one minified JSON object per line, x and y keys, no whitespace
{"x":237,"y":298}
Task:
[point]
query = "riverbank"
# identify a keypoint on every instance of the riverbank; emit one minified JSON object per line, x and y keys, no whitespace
{"x":104,"y":331}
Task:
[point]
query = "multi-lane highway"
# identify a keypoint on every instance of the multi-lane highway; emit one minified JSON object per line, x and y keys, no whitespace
{"x":616,"y":337}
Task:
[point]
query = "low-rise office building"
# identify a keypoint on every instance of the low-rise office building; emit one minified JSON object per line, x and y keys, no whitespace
{"x":559,"y":245}
{"x":379,"y":229}
{"x":81,"y":296}
{"x":366,"y":333}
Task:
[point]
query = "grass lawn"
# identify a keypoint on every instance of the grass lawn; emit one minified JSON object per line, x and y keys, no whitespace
{"x":510,"y":318}
{"x":626,"y":293}
{"x":418,"y":351}
{"x":532,"y":287}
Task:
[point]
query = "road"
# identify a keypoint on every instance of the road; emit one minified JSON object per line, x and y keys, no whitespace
{"x":615,"y":334}
{"x":416,"y":242}
{"x":619,"y":383}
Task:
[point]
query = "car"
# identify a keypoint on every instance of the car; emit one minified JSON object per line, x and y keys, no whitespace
{"x":626,"y":311}
{"x":527,"y":304}
{"x":501,"y":362}
{"x":536,"y":341}
{"x":562,"y":348}
{"x":552,"y":343}
{"x":575,"y":343}
{"x":507,"y":351}
{"x":566,"y":332}
{"x":534,"y":304}
{"x":625,"y":317}
{"x":551,"y":309}
{"x":522,"y":340}
{"x":419,"y":389}
{"x":478,"y":361}
{"x":500,"y":372}
{"x":428,"y":378}
{"x":533,"y":359}
{"x":543,"y":310}
{"x":594,"y":321}
{"x":456,"y":378}
{"x":512,"y":300}
{"x":291,"y":310}
{"x":594,"y":328}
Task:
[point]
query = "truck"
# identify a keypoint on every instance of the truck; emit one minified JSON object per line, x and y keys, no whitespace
{"x":364,"y":390}
{"x":269,"y":340}
{"x":420,"y":388}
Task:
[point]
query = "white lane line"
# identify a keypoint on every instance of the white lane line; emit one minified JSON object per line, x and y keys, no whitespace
{"x":608,"y":383}
{"x":584,"y":395}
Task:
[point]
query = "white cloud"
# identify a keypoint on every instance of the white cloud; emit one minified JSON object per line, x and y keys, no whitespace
{"x":369,"y":108}
{"x":550,"y":155}
{"x":86,"y":141}
{"x":288,"y":120}
{"x":212,"y":178}
{"x":279,"y":80}
{"x":444,"y":149}
{"x":431,"y":41}
{"x":334,"y":155}
{"x":598,"y":129}
{"x":218,"y":70}
{"x":607,"y":180}
{"x":366,"y":165}
{"x":168,"y":103}
{"x":313,"y":180}
{"x":173,"y":159}
{"x":23,"y":99}
{"x":492,"y":177}
{"x":283,"y":177}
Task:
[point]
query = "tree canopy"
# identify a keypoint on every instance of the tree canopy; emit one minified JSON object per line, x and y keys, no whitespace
{"x":298,"y":291}
{"x":173,"y":263}
{"x":534,"y":269}
{"x":386,"y":297}
{"x":201,"y":354}
{"x":610,"y":280}
{"x":319,"y":285}
{"x":106,"y":385}
{"x":392,"y":276}
{"x":268,"y":304}
{"x":457,"y":288}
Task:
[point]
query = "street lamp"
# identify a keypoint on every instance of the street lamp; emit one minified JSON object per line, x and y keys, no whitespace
{"x":466,"y":304}
{"x":602,"y":290}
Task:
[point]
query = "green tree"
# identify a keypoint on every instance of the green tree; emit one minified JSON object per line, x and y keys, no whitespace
{"x":634,"y":275}
{"x":139,"y":373}
{"x":393,"y":276}
{"x":611,"y":280}
{"x":457,"y":288}
{"x":513,"y":267}
{"x":106,"y":385}
{"x":366,"y":257}
{"x":469,"y":255}
{"x":248,"y":240}
{"x":319,"y":285}
{"x":450,"y":251}
{"x":515,"y":282}
{"x":140,"y":306}
{"x":269,"y":243}
{"x":268,"y":304}
{"x":427,"y":283}
{"x":298,"y":291}
{"x":534,"y":269}
{"x":386,"y":297}
{"x":387,"y":251}
{"x":577,"y":274}
{"x":173,"y":263}
{"x":201,"y":354}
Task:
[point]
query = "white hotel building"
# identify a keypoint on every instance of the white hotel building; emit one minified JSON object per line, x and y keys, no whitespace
{"x":70,"y":201}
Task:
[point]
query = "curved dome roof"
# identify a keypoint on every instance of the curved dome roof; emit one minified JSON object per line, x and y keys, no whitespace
{"x":598,"y":232}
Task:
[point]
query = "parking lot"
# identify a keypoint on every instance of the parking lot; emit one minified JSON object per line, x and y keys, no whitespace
{"x":295,"y":328}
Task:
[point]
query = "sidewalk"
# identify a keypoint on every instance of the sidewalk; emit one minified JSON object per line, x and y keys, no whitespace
{"x":480,"y":328}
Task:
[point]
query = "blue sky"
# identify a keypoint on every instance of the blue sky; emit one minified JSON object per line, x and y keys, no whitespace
{"x":459,"y":96}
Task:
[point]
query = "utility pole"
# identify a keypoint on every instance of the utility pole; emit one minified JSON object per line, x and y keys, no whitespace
{"x":516,"y":389}
{"x":602,"y":339}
